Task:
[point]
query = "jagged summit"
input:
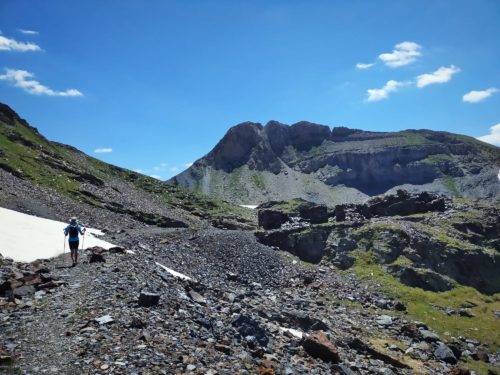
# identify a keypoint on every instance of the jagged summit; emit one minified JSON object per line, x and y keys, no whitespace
{"x":255,"y":163}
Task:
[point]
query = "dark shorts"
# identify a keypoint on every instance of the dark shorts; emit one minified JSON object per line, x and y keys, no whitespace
{"x":73,"y":245}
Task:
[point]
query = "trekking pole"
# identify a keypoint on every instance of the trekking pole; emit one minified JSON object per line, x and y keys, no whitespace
{"x":64,"y":247}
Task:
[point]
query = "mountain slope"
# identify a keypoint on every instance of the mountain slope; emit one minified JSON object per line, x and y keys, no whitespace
{"x":57,"y":181}
{"x":254,"y":163}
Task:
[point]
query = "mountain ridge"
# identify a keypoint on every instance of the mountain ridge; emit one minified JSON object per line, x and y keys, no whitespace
{"x":341,"y":164}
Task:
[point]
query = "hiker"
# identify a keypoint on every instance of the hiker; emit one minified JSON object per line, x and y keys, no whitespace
{"x":72,"y":230}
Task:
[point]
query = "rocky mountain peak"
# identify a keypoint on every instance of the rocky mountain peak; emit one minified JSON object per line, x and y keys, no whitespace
{"x":309,"y":161}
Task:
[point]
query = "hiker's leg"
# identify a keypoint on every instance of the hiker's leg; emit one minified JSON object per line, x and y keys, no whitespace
{"x":73,"y":251}
{"x":76,"y":251}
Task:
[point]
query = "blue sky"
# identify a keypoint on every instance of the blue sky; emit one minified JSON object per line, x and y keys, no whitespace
{"x":159,"y":82}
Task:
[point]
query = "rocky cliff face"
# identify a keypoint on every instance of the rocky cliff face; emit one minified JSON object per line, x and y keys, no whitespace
{"x":255,"y":163}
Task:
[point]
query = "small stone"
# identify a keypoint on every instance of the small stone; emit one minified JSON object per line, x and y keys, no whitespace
{"x":104,"y":367}
{"x":444,"y":353}
{"x":428,"y":335}
{"x":96,"y":258}
{"x":223,"y":348}
{"x":382,"y":304}
{"x":105,"y":319}
{"x":385,"y":320}
{"x":197,"y":297}
{"x":147,"y":299}
{"x":6,"y":360}
{"x":24,"y":291}
{"x":481,"y":354}
{"x":399,"y":306}
{"x":317,"y":345}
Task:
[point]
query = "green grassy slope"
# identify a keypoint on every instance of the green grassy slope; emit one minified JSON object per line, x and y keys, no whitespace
{"x":25,"y":153}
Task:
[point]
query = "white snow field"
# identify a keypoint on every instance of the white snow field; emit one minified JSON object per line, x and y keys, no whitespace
{"x":252,"y":206}
{"x":26,"y":238}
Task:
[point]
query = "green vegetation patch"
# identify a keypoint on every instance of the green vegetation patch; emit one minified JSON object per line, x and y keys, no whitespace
{"x":449,"y":183}
{"x":437,"y":158}
{"x":258,"y":181}
{"x":428,"y":306}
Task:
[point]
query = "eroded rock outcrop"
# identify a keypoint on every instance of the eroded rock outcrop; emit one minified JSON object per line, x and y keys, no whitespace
{"x":423,"y":239}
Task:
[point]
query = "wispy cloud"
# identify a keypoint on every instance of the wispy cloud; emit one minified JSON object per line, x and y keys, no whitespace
{"x":103,"y":150}
{"x":28,"y":32}
{"x":478,"y":96}
{"x":403,"y":54}
{"x":24,"y":80}
{"x":442,"y":75}
{"x":187,"y":165}
{"x":138,"y":170}
{"x":374,"y":95}
{"x":158,"y":177}
{"x":174,"y":169}
{"x":493,"y":137}
{"x":363,"y":66}
{"x":9,"y":44}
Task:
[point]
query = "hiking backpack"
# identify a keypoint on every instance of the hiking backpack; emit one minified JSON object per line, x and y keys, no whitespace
{"x":73,"y":231}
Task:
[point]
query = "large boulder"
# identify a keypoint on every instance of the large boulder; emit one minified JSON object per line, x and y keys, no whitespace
{"x":271,"y":218}
{"x":403,"y":203}
{"x":422,"y":278}
{"x":444,"y":353}
{"x":314,"y":213}
{"x":308,"y":243}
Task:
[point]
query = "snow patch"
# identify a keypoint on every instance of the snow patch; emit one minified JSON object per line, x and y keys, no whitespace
{"x":174,"y":273}
{"x":252,"y":206}
{"x":294,"y":332}
{"x":26,"y":238}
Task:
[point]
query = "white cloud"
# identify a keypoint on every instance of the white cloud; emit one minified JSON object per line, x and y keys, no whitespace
{"x":364,"y":66}
{"x":442,"y":75}
{"x":478,"y":96}
{"x":28,"y":32}
{"x":8,"y":44}
{"x":493,"y":137}
{"x":103,"y":150}
{"x":23,"y":79}
{"x":155,"y":176}
{"x":187,"y":165}
{"x":403,"y":54}
{"x":374,"y":95}
{"x":138,"y":170}
{"x":174,"y":169}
